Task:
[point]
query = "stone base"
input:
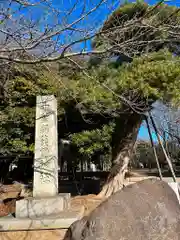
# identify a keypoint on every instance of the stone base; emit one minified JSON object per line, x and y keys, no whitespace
{"x":42,"y":207}
{"x":60,"y":221}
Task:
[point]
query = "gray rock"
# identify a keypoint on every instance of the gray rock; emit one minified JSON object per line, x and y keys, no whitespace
{"x":147,"y":210}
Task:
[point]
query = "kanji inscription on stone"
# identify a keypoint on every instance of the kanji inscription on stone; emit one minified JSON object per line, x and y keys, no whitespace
{"x":46,"y":148}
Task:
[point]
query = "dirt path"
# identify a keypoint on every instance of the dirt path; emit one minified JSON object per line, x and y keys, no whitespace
{"x":90,"y":202}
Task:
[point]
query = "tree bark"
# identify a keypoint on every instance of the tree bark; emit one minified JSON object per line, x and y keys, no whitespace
{"x":123,"y":141}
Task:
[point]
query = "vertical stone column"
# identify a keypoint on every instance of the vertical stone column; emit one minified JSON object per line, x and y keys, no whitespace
{"x":45,"y":201}
{"x":46,"y":148}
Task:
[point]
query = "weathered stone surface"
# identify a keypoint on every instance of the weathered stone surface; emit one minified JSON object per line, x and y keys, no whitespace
{"x":41,"y":207}
{"x":46,"y":148}
{"x":67,"y":200}
{"x":147,"y":210}
{"x":61,"y":221}
{"x":174,"y":187}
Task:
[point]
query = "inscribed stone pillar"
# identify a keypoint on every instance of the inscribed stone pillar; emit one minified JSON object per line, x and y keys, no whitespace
{"x":46,"y":148}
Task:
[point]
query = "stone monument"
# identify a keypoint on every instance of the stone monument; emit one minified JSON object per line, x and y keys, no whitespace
{"x":46,"y":201}
{"x":47,"y":209}
{"x":46,"y":148}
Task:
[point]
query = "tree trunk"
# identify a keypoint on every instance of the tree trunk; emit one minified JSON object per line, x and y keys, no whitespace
{"x":123,"y":140}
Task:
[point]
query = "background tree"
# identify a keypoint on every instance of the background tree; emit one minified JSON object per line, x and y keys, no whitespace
{"x":166,"y":117}
{"x":105,"y":91}
{"x":138,"y":28}
{"x":17,"y":112}
{"x":143,"y":37}
{"x":143,"y":154}
{"x":18,"y":107}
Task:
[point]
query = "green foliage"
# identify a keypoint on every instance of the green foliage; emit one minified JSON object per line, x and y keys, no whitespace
{"x":97,"y":141}
{"x":17,"y":112}
{"x":154,"y":76}
{"x":125,"y":12}
{"x":143,"y":33}
{"x":138,"y":9}
{"x":88,"y":92}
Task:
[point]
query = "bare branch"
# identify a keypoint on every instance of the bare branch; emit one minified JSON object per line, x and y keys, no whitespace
{"x":59,"y":38}
{"x":53,"y":59}
{"x":27,"y":4}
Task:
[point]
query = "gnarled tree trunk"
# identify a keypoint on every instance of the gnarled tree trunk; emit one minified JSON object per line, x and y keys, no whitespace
{"x":123,"y":140}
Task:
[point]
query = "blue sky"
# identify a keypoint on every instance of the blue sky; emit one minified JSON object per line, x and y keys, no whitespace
{"x":143,"y":134}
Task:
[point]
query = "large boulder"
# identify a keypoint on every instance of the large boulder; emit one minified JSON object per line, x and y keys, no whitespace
{"x":147,"y":210}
